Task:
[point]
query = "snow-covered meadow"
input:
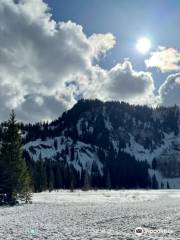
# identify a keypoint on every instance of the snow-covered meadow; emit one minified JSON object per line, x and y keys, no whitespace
{"x":94,"y":215}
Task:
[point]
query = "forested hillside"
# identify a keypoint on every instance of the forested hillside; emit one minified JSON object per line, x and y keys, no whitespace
{"x":104,"y":145}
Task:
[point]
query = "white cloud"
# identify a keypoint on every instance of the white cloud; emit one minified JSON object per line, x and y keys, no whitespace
{"x":120,"y":83}
{"x":169,"y":92}
{"x":101,"y":43}
{"x":38,"y":56}
{"x":166,"y":59}
{"x":126,"y":84}
{"x":45,"y":66}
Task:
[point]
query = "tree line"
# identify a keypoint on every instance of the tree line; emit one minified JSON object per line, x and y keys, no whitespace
{"x":121,"y":171}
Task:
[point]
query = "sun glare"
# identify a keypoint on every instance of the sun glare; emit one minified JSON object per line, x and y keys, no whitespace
{"x":143,"y":45}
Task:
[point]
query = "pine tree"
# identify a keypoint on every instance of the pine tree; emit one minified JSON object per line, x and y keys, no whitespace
{"x":50,"y":175}
{"x":55,"y":144}
{"x":58,"y":178}
{"x":108,"y":180}
{"x":87,"y":181}
{"x":72,"y":180}
{"x":72,"y":156}
{"x":15,"y":179}
{"x":168,"y":187}
{"x":154,"y":164}
{"x":40,"y":178}
{"x":154,"y":182}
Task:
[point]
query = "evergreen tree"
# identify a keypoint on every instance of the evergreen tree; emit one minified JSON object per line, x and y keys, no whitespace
{"x":55,"y":144}
{"x":87,"y":181}
{"x":108,"y":180}
{"x":50,"y":175}
{"x":72,"y":156}
{"x":15,"y":179}
{"x":66,"y":176}
{"x":58,"y":178}
{"x":168,"y":187}
{"x":72,"y":179}
{"x":40,"y":178}
{"x":95,"y":176}
{"x":154,"y":164}
{"x":154,"y":182}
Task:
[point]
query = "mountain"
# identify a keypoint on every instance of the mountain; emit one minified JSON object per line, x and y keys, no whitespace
{"x":113,"y":144}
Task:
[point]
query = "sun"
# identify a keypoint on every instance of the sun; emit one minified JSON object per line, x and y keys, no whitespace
{"x":143,"y":45}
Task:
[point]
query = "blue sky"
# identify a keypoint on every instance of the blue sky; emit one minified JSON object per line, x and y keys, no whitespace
{"x":127,"y":20}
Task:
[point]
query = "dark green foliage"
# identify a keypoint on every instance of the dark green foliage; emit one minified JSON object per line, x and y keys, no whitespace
{"x":87,"y":181}
{"x":40,"y":178}
{"x":101,"y":155}
{"x":154,"y":164}
{"x":95,"y":176}
{"x":126,"y":172}
{"x":15,"y":179}
{"x":55,"y":144}
{"x":72,"y":157}
{"x":168,"y":187}
{"x":50,"y":175}
{"x":108,"y":180}
{"x":58,"y":175}
{"x":154,"y":182}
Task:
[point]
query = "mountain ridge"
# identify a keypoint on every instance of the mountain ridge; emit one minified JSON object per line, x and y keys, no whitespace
{"x":95,"y":134}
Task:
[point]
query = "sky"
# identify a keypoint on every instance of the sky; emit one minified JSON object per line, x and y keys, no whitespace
{"x":54,"y":52}
{"x":127,"y":20}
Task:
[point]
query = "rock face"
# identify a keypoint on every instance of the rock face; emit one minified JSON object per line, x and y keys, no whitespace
{"x":93,"y":133}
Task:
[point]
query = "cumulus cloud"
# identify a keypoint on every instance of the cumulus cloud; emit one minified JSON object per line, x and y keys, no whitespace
{"x":124,"y":83}
{"x":38,"y":56}
{"x":38,"y":105}
{"x":45,"y":66}
{"x":166,"y":59}
{"x":101,"y":43}
{"x":120,"y":83}
{"x":169,"y":92}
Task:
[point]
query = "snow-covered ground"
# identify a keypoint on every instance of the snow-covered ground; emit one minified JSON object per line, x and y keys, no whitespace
{"x":94,"y":215}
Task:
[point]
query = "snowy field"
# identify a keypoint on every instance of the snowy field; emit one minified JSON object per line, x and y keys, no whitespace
{"x":94,"y":215}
